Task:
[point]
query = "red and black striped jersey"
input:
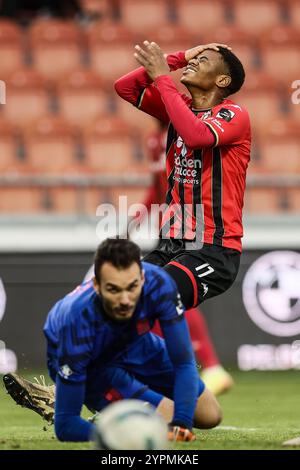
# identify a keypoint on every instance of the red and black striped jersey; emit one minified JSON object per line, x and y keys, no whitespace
{"x":207,"y":155}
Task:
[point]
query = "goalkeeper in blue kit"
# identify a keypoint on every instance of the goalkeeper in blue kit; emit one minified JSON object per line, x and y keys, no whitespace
{"x":100,"y":349}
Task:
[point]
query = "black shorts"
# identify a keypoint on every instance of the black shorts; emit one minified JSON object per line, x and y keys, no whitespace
{"x":199,"y":274}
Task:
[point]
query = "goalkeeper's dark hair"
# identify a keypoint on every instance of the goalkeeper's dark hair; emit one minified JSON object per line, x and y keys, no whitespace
{"x":235,"y":69}
{"x":121,"y":253}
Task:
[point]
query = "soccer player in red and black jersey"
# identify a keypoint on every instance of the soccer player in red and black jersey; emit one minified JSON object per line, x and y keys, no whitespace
{"x":208,"y":150}
{"x":215,"y":377}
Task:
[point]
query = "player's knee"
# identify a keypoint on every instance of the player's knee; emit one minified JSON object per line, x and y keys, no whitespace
{"x":63,"y":428}
{"x":209,"y":413}
{"x":214,"y":417}
{"x":59,"y":432}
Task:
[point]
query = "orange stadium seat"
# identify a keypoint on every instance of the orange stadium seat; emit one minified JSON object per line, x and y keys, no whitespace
{"x":62,"y":200}
{"x":8,"y":148}
{"x":11,"y":48}
{"x":265,"y":200}
{"x":280,"y":153}
{"x":257,"y":16}
{"x":294,"y":199}
{"x":51,"y":146}
{"x":172,"y":38}
{"x":32,"y":200}
{"x":280,"y":51}
{"x":112,"y":148}
{"x":294,"y":101}
{"x":82,"y":97}
{"x":56,"y":47}
{"x":111,"y":50}
{"x":135,"y":195}
{"x":144,"y":17}
{"x":260,"y":96}
{"x":262,"y":106}
{"x":136,"y":118}
{"x":101,"y":8}
{"x":20,"y":200}
{"x":201,"y":17}
{"x":242,"y":44}
{"x":28,"y":97}
{"x":94,"y":196}
{"x":255,"y":164}
{"x":294,"y":10}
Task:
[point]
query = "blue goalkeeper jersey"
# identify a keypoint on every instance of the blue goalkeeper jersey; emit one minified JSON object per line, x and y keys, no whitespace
{"x":81,"y":337}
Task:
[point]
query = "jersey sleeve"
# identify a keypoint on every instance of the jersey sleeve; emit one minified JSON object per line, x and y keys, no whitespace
{"x":68,"y":424}
{"x":170,"y":312}
{"x":230,"y":125}
{"x":75,"y":347}
{"x":192,"y":130}
{"x":138,"y":89}
{"x":186,"y":384}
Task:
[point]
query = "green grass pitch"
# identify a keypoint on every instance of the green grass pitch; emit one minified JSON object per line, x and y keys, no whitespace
{"x":260,"y":412}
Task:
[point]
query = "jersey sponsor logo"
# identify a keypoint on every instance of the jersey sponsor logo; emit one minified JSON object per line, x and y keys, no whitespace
{"x":189,"y":163}
{"x":181,"y":145}
{"x":186,"y":166}
{"x":226,"y":114}
{"x":271,"y":293}
{"x":65,"y":371}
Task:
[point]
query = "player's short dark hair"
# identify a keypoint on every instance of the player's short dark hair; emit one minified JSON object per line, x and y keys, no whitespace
{"x":235,"y":69}
{"x":121,"y":253}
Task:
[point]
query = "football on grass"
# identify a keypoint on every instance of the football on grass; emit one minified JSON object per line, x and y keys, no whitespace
{"x":130,"y":425}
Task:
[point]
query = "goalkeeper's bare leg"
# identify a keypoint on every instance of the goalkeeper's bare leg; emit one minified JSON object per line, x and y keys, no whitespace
{"x":208,"y":414}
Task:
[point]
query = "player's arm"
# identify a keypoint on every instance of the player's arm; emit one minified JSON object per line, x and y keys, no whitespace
{"x":170,"y":313}
{"x":194,"y":132}
{"x":229,"y":127}
{"x":186,"y":385}
{"x":69,"y":399}
{"x":137,"y":88}
{"x":75,"y":346}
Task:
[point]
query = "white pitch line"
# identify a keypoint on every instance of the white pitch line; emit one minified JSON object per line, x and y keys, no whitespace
{"x":237,"y":429}
{"x":234,"y":428}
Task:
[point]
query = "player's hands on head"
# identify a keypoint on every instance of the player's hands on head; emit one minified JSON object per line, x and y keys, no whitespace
{"x":180,"y":434}
{"x":152,"y":58}
{"x":194,"y":51}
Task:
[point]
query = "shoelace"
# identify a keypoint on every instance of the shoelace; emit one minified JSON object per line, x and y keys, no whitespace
{"x":40,"y":381}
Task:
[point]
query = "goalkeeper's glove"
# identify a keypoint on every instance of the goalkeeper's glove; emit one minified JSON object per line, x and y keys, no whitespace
{"x":180,"y":433}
